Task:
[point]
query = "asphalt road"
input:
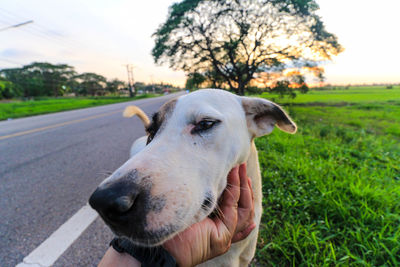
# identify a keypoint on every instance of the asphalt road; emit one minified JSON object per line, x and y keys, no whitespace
{"x":49,"y":166}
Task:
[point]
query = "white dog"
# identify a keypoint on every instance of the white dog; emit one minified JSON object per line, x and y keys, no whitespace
{"x":177,"y":173}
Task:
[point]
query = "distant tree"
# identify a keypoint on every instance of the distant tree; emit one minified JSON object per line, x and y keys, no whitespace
{"x":140,"y":86}
{"x":298,"y":81}
{"x":40,"y":78}
{"x":194,"y":80}
{"x":29,"y":83}
{"x":254,"y":90}
{"x":238,"y":39}
{"x":304,"y":88}
{"x":91,"y":84}
{"x":17,"y":77}
{"x":115,"y":85}
{"x":389,"y":87}
{"x":55,"y":77}
{"x":8,"y":90}
{"x":283,"y":88}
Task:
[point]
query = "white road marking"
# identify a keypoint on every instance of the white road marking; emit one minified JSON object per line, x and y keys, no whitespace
{"x":57,"y":243}
{"x":57,"y":125}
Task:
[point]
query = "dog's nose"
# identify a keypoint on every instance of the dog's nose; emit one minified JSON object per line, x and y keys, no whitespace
{"x":114,"y":200}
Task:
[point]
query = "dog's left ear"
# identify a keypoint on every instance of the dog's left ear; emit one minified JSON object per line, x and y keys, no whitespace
{"x":262,"y":115}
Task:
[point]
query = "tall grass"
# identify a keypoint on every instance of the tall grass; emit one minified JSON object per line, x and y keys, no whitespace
{"x":332,"y":191}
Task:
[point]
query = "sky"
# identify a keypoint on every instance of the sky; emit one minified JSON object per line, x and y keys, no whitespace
{"x":103,"y":36}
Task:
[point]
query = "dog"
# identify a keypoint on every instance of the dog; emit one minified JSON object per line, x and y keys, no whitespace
{"x":177,"y":172}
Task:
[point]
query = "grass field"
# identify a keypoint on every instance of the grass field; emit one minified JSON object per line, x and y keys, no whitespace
{"x":353,"y":95}
{"x":332,"y":191}
{"x":17,"y":109}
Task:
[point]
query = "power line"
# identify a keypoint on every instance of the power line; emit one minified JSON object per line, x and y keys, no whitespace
{"x":39,"y":31}
{"x":13,"y":21}
{"x":16,"y":25}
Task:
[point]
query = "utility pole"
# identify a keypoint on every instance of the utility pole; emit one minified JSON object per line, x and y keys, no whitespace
{"x":152,"y":84}
{"x":16,"y":25}
{"x":129,"y":69}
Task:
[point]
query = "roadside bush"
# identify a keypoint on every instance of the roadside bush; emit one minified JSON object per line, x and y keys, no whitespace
{"x":252,"y":90}
{"x":8,"y":90}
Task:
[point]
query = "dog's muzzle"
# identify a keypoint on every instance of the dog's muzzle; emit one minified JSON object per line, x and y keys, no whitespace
{"x":123,"y":204}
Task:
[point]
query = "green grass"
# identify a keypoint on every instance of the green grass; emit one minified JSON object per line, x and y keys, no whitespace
{"x":352,"y":95}
{"x":332,"y":191}
{"x":17,"y":109}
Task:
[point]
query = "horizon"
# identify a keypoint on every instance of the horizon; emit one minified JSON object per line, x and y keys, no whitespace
{"x":102,"y":37}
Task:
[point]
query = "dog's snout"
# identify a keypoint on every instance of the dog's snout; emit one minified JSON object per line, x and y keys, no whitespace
{"x":113,"y":200}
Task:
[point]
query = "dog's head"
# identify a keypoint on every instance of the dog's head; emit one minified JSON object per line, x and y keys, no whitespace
{"x":176,"y":179}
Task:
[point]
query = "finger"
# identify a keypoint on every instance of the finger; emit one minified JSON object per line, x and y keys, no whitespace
{"x":243,"y":234}
{"x":229,"y":202}
{"x":246,"y":193}
{"x":231,"y":193}
{"x":251,"y":189}
{"x":249,"y":182}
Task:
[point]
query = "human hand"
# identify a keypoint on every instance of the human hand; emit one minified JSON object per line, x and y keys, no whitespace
{"x":213,"y":236}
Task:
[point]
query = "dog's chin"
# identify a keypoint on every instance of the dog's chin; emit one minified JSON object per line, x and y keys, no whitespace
{"x":155,"y":242}
{"x":143,"y":238}
{"x":146,"y":239}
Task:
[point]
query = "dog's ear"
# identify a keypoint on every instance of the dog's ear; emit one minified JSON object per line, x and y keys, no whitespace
{"x":262,"y":115}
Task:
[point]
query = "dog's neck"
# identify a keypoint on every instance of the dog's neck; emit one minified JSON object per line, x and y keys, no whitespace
{"x":252,"y":162}
{"x":253,"y":171}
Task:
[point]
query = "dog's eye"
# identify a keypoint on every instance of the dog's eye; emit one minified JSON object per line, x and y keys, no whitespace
{"x":204,"y":125}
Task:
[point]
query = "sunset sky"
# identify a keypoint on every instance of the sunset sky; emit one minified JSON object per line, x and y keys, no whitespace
{"x":102,"y":36}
